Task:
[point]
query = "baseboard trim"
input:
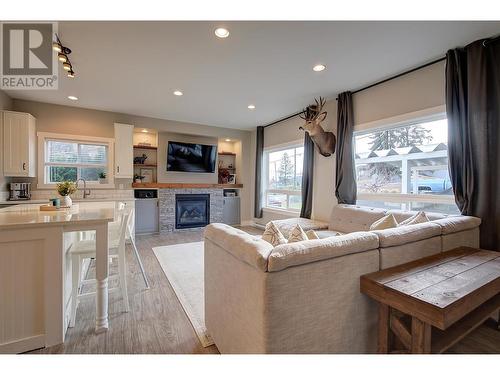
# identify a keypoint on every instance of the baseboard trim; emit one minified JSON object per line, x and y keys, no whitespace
{"x":247,"y":223}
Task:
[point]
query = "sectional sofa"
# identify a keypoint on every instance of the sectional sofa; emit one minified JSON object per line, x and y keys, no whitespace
{"x":304,"y":297}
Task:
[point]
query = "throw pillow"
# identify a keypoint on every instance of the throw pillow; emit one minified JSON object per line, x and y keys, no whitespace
{"x":419,"y":217}
{"x":312,"y":235}
{"x":273,"y":235}
{"x":388,"y":221}
{"x":297,"y":234}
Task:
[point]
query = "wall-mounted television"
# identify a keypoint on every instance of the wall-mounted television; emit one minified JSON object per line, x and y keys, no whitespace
{"x":191,"y":157}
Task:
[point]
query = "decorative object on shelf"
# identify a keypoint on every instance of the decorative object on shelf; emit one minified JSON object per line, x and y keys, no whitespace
{"x":325,"y":141}
{"x":231,"y":179}
{"x":230,"y":166}
{"x":65,"y":189}
{"x":62,"y":56}
{"x":138,"y":178}
{"x":102,"y":177}
{"x":147,"y":175}
{"x":140,"y":159}
{"x":223,"y":176}
{"x":220,"y":164}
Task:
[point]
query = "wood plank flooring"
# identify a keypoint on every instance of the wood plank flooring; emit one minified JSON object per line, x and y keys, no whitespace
{"x":157,"y":323}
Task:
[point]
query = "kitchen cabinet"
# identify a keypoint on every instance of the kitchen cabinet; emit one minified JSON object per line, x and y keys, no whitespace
{"x":124,"y":151}
{"x":19,"y":144}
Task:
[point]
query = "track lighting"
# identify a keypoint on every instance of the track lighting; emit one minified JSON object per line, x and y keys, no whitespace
{"x":62,"y":56}
{"x":56,"y":46}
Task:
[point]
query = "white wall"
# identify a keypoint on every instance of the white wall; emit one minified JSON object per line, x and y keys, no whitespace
{"x":420,"y":90}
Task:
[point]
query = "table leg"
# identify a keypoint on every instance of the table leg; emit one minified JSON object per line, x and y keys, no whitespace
{"x":420,"y":337}
{"x":101,"y":319}
{"x":383,"y":328}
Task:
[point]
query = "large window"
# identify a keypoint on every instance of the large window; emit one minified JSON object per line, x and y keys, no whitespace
{"x":283,"y":177}
{"x":66,"y":158}
{"x":405,"y":166}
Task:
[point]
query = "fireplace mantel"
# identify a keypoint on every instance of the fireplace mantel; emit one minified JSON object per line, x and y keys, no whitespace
{"x":155,"y":185}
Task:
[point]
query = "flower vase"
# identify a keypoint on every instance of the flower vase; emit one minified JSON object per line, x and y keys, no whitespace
{"x":66,"y":201}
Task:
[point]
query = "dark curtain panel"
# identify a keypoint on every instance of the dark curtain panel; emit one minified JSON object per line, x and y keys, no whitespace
{"x":307,"y":177}
{"x":258,"y":172}
{"x":345,"y":181}
{"x":472,"y":107}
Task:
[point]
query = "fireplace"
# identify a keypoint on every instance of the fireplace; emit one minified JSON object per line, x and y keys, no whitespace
{"x":192,"y":210}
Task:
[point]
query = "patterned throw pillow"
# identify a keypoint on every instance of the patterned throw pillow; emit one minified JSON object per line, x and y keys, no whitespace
{"x":312,"y":235}
{"x":297,"y":234}
{"x":273,"y":235}
{"x":419,"y":217}
{"x":388,"y":221}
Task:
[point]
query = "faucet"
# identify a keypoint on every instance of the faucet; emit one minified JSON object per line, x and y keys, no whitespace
{"x":85,"y":191}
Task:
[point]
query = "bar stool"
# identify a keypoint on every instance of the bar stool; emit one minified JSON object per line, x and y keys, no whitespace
{"x":87,"y":249}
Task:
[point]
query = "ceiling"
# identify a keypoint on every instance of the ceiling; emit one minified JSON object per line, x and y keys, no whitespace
{"x":134,"y":67}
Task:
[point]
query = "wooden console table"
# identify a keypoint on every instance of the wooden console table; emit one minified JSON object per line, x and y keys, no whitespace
{"x":428,"y":305}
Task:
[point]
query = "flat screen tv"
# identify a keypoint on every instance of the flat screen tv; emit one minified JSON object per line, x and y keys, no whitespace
{"x":191,"y":157}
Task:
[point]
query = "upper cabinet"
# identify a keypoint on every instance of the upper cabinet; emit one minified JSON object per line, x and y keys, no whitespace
{"x":124,"y":151}
{"x":19,"y":144}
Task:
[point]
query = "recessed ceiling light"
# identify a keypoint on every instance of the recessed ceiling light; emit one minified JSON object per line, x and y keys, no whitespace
{"x":319,"y":67}
{"x":251,"y":106}
{"x":227,"y":140}
{"x":144,"y":130}
{"x":178,"y":93}
{"x":71,"y":97}
{"x":221,"y":32}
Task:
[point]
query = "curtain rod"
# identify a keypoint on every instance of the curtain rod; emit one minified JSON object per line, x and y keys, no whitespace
{"x":367,"y":87}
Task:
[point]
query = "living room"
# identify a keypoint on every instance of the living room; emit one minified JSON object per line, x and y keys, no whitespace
{"x":249,"y":187}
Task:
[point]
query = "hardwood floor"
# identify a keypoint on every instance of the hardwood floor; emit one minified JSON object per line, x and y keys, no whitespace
{"x":157,"y":323}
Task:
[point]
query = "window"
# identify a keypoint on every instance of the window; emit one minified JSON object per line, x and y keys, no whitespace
{"x":405,"y":166}
{"x":283,"y":177}
{"x":69,"y":158}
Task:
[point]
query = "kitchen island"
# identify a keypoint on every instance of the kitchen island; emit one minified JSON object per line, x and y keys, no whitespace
{"x":33,"y":247}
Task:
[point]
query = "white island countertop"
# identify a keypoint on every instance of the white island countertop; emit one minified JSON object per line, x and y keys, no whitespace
{"x":29,"y":215}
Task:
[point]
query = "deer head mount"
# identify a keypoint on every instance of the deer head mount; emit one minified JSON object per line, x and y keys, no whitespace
{"x":313,"y":116}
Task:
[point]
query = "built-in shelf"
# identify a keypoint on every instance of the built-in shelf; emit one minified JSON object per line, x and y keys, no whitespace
{"x":146,"y":165}
{"x":145,"y":147}
{"x":155,"y":185}
{"x":227,"y":153}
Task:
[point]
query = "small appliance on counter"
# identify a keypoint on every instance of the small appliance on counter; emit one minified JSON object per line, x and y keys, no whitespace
{"x":20,"y":191}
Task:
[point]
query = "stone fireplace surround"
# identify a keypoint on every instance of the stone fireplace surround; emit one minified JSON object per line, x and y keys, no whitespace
{"x":166,"y":198}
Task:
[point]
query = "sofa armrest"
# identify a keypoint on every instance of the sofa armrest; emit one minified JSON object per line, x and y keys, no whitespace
{"x":286,"y":225}
{"x":407,"y":234}
{"x":453,"y":224}
{"x":303,"y":252}
{"x":250,"y":249}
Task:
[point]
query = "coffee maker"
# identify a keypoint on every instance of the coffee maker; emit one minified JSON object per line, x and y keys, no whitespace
{"x":20,"y":191}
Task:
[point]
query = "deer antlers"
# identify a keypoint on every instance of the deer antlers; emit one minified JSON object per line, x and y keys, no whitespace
{"x":314,"y":110}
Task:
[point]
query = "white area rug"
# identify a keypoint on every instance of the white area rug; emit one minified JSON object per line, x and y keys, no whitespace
{"x":183,"y":266}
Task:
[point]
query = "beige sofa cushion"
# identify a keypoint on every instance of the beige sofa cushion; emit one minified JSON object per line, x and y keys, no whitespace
{"x":388,"y":221}
{"x":248,"y":248}
{"x":273,"y":235}
{"x":347,"y":218}
{"x":286,"y":225}
{"x":453,"y":224}
{"x":297,"y":235}
{"x":312,"y":235}
{"x":419,"y":217}
{"x":401,"y":215}
{"x":298,"y":253}
{"x":328,"y":233}
{"x":407,"y":234}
